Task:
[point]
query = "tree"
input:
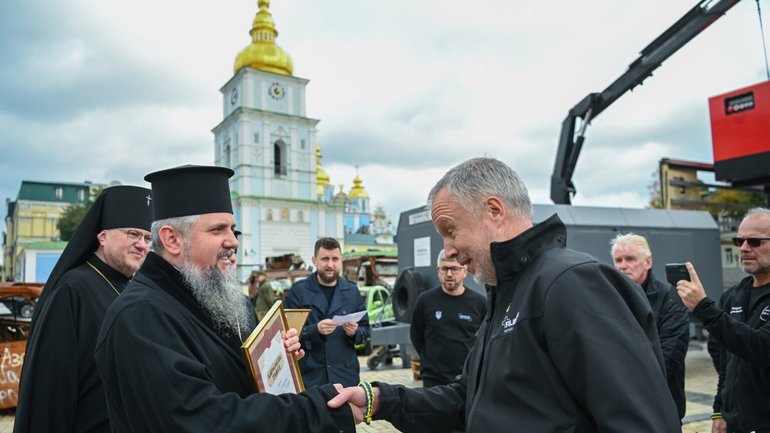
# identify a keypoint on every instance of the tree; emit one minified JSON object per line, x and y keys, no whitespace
{"x":733,"y":204}
{"x":70,"y":219}
{"x":656,"y":198}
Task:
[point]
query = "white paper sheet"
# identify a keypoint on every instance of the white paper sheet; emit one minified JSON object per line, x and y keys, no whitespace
{"x":353,"y":317}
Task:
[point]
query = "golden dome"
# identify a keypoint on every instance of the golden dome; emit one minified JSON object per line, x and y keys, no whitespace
{"x":358,"y":191}
{"x":322,"y":179}
{"x":263,"y":53}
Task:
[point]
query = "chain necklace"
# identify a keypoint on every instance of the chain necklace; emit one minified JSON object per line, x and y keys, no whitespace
{"x":102,"y":275}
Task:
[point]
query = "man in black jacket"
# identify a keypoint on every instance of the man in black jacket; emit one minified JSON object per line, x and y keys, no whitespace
{"x":569,"y":343}
{"x":632,"y":256}
{"x":739,"y":332}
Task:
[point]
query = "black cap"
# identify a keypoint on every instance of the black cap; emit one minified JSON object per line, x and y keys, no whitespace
{"x":116,"y":207}
{"x":190,"y":190}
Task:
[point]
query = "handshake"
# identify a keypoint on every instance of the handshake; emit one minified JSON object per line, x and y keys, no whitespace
{"x":362,"y":399}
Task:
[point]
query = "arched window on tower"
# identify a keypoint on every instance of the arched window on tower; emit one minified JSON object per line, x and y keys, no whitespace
{"x":226,"y":153}
{"x":280,"y":155}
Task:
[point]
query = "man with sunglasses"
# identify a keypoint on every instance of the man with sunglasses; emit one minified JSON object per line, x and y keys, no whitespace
{"x":739,"y":332}
{"x":60,"y":389}
{"x":444,"y":324}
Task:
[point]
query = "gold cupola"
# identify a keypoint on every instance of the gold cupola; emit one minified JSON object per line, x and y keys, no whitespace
{"x":321,"y":178}
{"x":358,"y":190}
{"x":263,"y":53}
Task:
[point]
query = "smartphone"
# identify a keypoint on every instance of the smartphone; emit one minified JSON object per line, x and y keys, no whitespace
{"x":676,"y":272}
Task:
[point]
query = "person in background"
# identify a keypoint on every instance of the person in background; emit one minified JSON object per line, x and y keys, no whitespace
{"x":444,"y":324}
{"x":632,"y":256}
{"x":331,"y":355}
{"x":265,"y":295}
{"x":739,"y":331}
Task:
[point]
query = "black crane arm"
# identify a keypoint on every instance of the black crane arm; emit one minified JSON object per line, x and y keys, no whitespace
{"x":674,"y":38}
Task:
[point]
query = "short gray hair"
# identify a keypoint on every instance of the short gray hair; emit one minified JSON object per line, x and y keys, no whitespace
{"x":757,"y":211}
{"x":442,"y":256}
{"x":475,"y":179}
{"x":182,"y":224}
{"x":631,"y":239}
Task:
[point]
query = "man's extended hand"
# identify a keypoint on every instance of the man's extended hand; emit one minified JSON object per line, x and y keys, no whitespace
{"x":718,"y":426}
{"x":350,"y":328}
{"x":291,"y":343}
{"x":326,"y":326}
{"x":356,"y":398}
{"x":691,"y":291}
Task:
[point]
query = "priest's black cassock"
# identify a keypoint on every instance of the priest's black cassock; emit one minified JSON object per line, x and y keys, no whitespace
{"x":167,"y":368}
{"x":60,"y":390}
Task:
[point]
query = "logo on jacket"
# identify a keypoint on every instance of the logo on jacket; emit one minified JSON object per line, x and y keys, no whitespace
{"x":509,"y":323}
{"x":462,"y":316}
{"x":765,"y":314}
{"x":736,"y":310}
{"x":438,"y":314}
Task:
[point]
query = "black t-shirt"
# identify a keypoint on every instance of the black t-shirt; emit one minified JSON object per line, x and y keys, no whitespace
{"x":443,"y":329}
{"x":328,"y":292}
{"x":757,"y":293}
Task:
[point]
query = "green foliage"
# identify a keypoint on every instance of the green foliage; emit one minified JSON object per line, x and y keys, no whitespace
{"x":734,"y":204}
{"x":72,"y":216}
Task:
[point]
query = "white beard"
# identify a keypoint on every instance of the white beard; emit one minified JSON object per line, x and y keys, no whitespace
{"x":220,"y":295}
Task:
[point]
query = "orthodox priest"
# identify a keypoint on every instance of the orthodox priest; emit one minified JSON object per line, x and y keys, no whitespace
{"x":169,"y":348}
{"x":60,"y":389}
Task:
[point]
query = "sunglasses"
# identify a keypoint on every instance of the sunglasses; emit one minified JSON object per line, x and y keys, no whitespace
{"x":753,"y":242}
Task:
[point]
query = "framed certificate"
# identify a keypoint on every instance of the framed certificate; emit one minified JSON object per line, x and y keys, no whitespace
{"x":273,"y":370}
{"x":297,"y":317}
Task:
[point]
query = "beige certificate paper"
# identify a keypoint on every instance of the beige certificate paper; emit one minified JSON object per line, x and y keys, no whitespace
{"x":273,"y":370}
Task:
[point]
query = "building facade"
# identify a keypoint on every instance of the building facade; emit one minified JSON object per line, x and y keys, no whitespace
{"x":32,"y":241}
{"x":267,"y":139}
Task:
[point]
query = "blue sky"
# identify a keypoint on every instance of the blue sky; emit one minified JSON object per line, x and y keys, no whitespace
{"x":105,"y":91}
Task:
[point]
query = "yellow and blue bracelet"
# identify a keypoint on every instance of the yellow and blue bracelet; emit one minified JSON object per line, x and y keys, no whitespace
{"x":369,"y":401}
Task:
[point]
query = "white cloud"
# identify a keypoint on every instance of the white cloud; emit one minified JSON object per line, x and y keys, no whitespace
{"x":404,"y":89}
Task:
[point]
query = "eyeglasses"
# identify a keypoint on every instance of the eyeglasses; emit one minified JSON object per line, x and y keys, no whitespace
{"x":135,"y":236}
{"x":453,"y":269}
{"x":753,"y":242}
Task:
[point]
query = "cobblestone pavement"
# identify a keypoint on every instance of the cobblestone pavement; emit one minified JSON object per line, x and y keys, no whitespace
{"x":700,"y":384}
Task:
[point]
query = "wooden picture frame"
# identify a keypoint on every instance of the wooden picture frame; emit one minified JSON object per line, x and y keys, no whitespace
{"x":272,"y":369}
{"x":297,"y":317}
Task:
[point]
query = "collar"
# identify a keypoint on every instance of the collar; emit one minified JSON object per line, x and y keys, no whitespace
{"x":514,"y":255}
{"x":649,"y":285}
{"x":108,"y":271}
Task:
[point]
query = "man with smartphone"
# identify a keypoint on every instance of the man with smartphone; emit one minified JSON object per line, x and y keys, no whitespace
{"x":739,"y":331}
{"x":632,"y":256}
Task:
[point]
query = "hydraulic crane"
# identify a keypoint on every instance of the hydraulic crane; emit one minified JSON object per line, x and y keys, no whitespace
{"x":651,"y":57}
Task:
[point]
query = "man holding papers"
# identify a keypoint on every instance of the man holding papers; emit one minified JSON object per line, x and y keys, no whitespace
{"x":332,"y":329}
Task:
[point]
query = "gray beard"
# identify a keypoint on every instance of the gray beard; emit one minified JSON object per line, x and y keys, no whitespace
{"x":220,"y":295}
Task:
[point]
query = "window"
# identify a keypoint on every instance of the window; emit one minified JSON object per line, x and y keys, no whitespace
{"x":81,"y":195}
{"x":285,"y":214}
{"x":226,"y":153}
{"x":279,"y":158}
{"x":58,"y":193}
